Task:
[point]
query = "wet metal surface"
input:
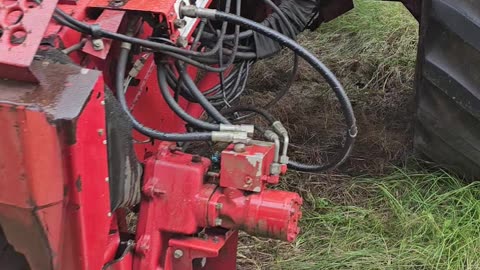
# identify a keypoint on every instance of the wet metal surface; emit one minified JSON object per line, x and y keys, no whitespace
{"x":61,"y":93}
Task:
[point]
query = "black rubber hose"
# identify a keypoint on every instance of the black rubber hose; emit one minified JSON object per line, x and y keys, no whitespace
{"x":163,"y":85}
{"x":198,"y":95}
{"x":219,"y":44}
{"x":179,"y":137}
{"x":175,"y":52}
{"x":164,"y":48}
{"x":242,"y":35}
{"x":293,"y":74}
{"x":246,"y":108}
{"x":330,"y":78}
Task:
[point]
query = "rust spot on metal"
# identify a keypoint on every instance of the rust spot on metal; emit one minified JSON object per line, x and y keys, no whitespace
{"x":78,"y":184}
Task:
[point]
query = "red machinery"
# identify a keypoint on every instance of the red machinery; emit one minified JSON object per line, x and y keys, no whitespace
{"x":70,"y":168}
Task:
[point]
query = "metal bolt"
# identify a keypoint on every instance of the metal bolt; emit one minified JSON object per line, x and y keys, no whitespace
{"x":179,"y":23}
{"x":109,"y":214}
{"x":104,"y":141}
{"x":239,"y":147}
{"x":215,"y":239}
{"x":248,"y":180}
{"x":107,"y":179}
{"x":117,"y":3}
{"x":218,"y":206}
{"x":102,"y":102}
{"x":98,"y":44}
{"x":100,"y":132}
{"x":177,"y":254}
{"x":218,"y":222}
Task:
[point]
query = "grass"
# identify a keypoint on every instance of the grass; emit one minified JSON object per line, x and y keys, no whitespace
{"x":406,"y":220}
{"x":378,"y":211}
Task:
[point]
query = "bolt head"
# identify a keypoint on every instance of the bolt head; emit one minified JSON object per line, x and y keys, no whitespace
{"x":97,"y":44}
{"x":218,"y":222}
{"x":179,"y":23}
{"x":177,"y":254}
{"x":239,"y":147}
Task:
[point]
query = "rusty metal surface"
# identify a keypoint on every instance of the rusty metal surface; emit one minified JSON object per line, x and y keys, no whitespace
{"x":22,"y":24}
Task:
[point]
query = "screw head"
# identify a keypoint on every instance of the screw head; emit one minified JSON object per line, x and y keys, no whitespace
{"x":218,"y":222}
{"x":177,"y":254}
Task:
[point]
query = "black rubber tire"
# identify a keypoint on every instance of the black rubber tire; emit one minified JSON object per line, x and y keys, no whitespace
{"x":448,"y":85}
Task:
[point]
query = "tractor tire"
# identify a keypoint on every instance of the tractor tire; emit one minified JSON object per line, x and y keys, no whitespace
{"x":9,"y":258}
{"x":447,"y":126}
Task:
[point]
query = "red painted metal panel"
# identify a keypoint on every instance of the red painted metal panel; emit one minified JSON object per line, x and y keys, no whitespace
{"x":30,"y":151}
{"x":109,"y":20}
{"x":247,"y":170}
{"x":22,"y":25}
{"x":88,"y":207}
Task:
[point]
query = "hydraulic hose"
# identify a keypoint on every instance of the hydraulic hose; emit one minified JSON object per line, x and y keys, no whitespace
{"x":346,"y":106}
{"x":163,"y":85}
{"x":198,"y":95}
{"x":246,"y":108}
{"x":119,"y":78}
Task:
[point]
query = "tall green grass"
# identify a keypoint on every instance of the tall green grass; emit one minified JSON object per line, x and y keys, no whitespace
{"x":407,"y":220}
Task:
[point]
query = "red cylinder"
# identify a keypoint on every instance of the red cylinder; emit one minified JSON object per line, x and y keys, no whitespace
{"x":271,"y":213}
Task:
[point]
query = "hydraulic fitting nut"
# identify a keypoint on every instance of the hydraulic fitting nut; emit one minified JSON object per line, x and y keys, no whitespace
{"x":275,"y":169}
{"x":230,"y":136}
{"x":278,"y":127}
{"x":249,"y":129}
{"x":284,"y":159}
